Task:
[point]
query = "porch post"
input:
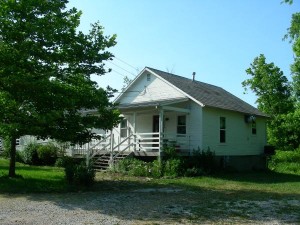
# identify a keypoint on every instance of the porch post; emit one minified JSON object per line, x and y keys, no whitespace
{"x":134,"y":131}
{"x":161,"y":130}
{"x":111,"y":148}
{"x":88,"y":155}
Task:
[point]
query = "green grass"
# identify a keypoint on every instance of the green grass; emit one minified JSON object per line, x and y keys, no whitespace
{"x":232,"y":197}
{"x":287,"y":162}
{"x":36,"y":179}
{"x":31,"y":179}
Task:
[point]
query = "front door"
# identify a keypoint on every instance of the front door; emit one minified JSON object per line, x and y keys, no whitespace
{"x":155,"y":129}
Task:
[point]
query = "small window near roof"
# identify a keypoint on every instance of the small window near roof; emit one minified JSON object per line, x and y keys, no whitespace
{"x":148,"y":77}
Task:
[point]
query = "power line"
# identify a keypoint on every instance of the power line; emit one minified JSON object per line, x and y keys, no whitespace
{"x":115,"y":71}
{"x":132,"y":74}
{"x":126,"y":63}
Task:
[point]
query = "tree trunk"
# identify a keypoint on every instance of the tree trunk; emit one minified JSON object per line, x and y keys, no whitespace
{"x":12,"y":153}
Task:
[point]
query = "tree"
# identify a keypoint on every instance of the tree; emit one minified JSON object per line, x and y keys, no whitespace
{"x":294,"y":35}
{"x":45,"y":68}
{"x":270,"y":86}
{"x":274,"y":98}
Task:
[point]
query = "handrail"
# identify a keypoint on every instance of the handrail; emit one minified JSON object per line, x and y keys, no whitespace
{"x":100,"y":141}
{"x":126,"y":139}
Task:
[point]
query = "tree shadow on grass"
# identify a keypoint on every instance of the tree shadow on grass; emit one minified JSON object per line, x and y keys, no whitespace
{"x":143,"y":200}
{"x":264,"y":177}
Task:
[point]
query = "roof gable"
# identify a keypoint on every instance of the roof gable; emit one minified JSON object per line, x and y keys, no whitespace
{"x":149,"y":89}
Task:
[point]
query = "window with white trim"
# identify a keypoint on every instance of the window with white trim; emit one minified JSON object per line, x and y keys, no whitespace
{"x":222,"y":130}
{"x":124,"y":128}
{"x":181,"y":124}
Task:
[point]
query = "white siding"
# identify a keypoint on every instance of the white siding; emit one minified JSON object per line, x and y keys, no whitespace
{"x":143,"y":90}
{"x":195,"y":126}
{"x":239,"y":137}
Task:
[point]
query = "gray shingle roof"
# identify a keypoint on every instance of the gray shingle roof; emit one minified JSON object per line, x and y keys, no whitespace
{"x":207,"y":94}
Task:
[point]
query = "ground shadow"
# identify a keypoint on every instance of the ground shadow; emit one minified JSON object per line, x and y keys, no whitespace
{"x":263,"y":177}
{"x":144,"y":200}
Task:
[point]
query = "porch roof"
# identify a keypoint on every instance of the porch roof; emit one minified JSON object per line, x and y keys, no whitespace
{"x":152,"y":103}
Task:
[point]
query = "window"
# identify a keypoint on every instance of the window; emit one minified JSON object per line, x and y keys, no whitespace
{"x":253,"y":127}
{"x":148,"y":77}
{"x":222,"y":129}
{"x":181,"y":125}
{"x":123,"y":128}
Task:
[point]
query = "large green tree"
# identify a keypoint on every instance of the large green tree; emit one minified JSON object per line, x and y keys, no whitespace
{"x":276,"y":96}
{"x":294,"y":36}
{"x":45,"y":69}
{"x":271,"y":87}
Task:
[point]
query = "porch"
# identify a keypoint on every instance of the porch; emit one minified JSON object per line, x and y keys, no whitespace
{"x":140,"y":144}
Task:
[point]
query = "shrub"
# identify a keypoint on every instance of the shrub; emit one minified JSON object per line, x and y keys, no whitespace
{"x":169,"y":153}
{"x":47,"y":154}
{"x":285,"y":162}
{"x":204,"y":160}
{"x":78,"y":173}
{"x":30,"y":155}
{"x":84,"y":175}
{"x":64,"y":161}
{"x":19,"y":156}
{"x":173,"y":168}
{"x":132,"y":167}
{"x":155,"y":169}
{"x":194,"y":172}
{"x":124,"y":165}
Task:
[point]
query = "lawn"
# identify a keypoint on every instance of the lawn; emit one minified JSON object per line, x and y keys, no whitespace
{"x":31,"y":179}
{"x":230,"y":198}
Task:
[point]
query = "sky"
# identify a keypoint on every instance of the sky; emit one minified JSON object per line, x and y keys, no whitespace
{"x":217,"y":39}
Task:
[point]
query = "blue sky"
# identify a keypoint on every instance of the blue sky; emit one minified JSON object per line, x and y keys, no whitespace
{"x":217,"y":39}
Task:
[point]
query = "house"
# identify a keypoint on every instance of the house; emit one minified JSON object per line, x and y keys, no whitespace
{"x":160,"y":108}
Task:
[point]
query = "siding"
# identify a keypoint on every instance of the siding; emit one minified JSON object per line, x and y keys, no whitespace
{"x":239,"y":137}
{"x":143,"y":90}
{"x":195,"y":126}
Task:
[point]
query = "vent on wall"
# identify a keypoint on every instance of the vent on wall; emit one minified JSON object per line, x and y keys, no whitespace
{"x":148,"y":77}
{"x":250,"y":118}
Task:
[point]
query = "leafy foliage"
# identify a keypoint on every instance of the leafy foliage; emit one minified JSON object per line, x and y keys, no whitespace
{"x":30,"y":155}
{"x":271,"y":87}
{"x":77,"y":172}
{"x":45,"y":72}
{"x":47,"y":154}
{"x":274,"y":94}
{"x":132,"y":166}
{"x":285,"y":162}
{"x":172,"y":165}
{"x":84,"y":174}
{"x":201,"y":162}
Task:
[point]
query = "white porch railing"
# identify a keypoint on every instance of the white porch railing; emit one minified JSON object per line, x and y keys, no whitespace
{"x":148,"y":142}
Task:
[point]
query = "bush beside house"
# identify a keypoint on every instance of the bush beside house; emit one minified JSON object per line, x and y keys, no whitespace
{"x":171,"y":165}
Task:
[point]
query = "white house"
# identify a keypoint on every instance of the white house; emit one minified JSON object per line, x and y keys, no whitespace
{"x":161,"y":108}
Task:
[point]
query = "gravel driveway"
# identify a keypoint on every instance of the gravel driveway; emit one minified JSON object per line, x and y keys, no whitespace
{"x":142,"y":206}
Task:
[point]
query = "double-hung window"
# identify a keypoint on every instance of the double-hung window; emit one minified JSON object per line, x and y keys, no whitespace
{"x":181,"y":125}
{"x":124,"y":128}
{"x":222,"y":130}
